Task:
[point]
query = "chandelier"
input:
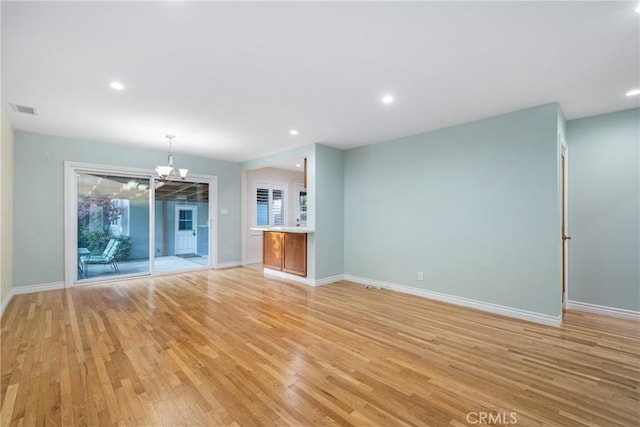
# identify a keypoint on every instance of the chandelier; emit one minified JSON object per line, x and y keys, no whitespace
{"x":164,"y":172}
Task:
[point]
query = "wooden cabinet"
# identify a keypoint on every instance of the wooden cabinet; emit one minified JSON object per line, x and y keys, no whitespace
{"x":272,"y":250}
{"x":295,"y":254}
{"x":305,"y":173}
{"x":285,"y":252}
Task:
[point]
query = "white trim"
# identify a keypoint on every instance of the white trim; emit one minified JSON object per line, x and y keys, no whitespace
{"x":270,"y":186}
{"x":29,"y":289}
{"x":620,"y":313}
{"x":70,"y":222}
{"x":252,"y":261}
{"x":329,"y":280}
{"x":303,"y":280}
{"x":529,"y":316}
{"x":152,"y":225}
{"x":5,"y":303}
{"x":228,"y":264}
{"x":213,"y":222}
{"x":292,"y":277}
{"x":564,"y":202}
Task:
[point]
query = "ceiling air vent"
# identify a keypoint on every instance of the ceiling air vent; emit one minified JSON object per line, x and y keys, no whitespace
{"x":23,"y":109}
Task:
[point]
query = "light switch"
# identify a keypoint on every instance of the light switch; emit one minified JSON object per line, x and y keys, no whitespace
{"x":224,"y":211}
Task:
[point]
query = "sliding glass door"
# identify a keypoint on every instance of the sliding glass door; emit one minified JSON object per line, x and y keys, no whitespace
{"x":125,"y":222}
{"x":181,"y":225}
{"x":112,"y":225}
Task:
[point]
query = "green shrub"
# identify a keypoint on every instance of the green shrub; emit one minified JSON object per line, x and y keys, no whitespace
{"x":96,"y":241}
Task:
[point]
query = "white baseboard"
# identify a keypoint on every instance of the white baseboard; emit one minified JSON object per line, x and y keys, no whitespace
{"x":228,"y":264}
{"x":529,"y":316}
{"x":29,"y":289}
{"x":252,"y":261}
{"x":5,"y":302}
{"x":283,"y":275}
{"x":303,"y":280}
{"x":620,"y":313}
{"x":329,"y":280}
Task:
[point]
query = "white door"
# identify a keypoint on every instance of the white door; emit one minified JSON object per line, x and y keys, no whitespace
{"x":186,"y":226}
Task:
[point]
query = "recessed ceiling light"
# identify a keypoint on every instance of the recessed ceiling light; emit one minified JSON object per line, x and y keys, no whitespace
{"x":387,"y":99}
{"x":633,"y":92}
{"x":116,"y":86}
{"x":298,"y":165}
{"x":638,"y":8}
{"x":293,"y":132}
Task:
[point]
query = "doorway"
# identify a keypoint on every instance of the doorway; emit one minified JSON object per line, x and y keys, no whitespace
{"x":123,"y":222}
{"x":186,"y":233}
{"x":182,"y":217}
{"x":112,"y":223}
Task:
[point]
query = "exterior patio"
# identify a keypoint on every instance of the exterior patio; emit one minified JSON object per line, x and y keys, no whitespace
{"x":162,"y":264}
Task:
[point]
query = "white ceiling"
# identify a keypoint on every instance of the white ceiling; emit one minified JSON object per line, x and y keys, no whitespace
{"x":231,"y":79}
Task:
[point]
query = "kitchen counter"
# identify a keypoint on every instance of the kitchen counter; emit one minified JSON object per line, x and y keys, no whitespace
{"x":285,"y":229}
{"x":285,"y":249}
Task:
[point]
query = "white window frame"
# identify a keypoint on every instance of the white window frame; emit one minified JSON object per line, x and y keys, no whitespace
{"x":254,"y":204}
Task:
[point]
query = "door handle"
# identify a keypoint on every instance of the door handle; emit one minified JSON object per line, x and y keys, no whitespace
{"x":566,"y":237}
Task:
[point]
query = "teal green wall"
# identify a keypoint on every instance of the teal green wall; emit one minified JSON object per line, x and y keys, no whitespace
{"x":475,"y":207}
{"x":39,"y":197}
{"x":329,"y":211}
{"x":604,"y":209}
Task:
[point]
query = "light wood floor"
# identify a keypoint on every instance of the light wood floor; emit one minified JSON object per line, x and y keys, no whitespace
{"x":233,"y":348}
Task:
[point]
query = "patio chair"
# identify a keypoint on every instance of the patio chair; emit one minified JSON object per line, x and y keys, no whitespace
{"x":107,"y":257}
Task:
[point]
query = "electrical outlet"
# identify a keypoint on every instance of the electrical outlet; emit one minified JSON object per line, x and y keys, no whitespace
{"x":420,"y":275}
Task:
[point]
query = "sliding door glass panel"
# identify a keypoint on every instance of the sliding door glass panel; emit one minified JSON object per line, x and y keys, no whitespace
{"x":113,"y":226}
{"x":181,"y":225}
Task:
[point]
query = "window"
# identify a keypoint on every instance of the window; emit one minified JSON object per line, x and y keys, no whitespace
{"x":277,"y":202}
{"x":270,"y":207}
{"x":185,"y":221}
{"x":262,"y":200}
{"x":301,"y":204}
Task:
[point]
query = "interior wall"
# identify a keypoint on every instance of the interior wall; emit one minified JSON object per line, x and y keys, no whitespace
{"x":475,"y":207}
{"x":6,"y":207}
{"x":39,"y":198}
{"x":329,"y":212}
{"x":270,"y":175}
{"x":604,"y":210}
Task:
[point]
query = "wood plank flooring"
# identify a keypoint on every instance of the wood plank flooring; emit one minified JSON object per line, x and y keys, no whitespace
{"x":231,"y":347}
